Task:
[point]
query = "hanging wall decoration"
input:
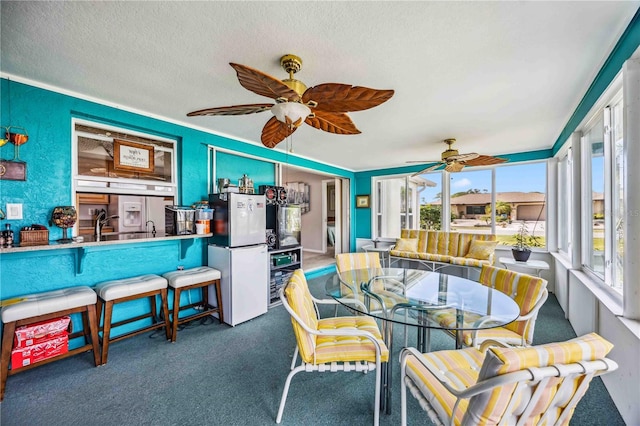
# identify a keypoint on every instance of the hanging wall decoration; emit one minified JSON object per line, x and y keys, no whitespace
{"x":14,"y":169}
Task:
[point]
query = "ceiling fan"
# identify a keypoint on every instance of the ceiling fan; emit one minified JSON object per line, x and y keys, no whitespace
{"x":452,"y":161}
{"x":323,"y":106}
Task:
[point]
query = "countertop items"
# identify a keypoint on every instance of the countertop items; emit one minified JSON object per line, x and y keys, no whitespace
{"x":106,"y":239}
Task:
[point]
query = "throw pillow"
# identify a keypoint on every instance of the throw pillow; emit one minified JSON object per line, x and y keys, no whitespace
{"x":406,"y":244}
{"x":481,"y":250}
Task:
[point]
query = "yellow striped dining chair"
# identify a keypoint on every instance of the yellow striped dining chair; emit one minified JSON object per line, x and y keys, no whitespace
{"x":528,"y":291}
{"x":351,"y":343}
{"x":359,"y":261}
{"x":533,"y":385}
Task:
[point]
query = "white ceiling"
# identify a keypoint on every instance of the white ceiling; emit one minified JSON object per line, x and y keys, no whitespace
{"x":501,"y":77}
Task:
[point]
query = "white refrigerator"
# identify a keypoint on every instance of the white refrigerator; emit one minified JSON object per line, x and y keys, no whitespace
{"x":244,"y":281}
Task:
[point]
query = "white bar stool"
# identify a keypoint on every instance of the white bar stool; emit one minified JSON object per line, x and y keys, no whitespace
{"x":43,"y":307}
{"x":118,"y":291}
{"x":201,"y":277}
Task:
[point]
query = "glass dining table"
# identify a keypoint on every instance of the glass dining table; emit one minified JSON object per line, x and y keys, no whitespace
{"x":422,"y":299}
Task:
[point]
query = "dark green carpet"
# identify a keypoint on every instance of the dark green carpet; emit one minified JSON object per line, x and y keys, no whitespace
{"x":218,"y":375}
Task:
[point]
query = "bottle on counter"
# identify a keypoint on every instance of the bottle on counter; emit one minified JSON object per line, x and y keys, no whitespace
{"x":8,"y":236}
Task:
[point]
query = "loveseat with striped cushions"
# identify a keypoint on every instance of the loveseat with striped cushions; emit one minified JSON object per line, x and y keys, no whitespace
{"x":504,"y":385}
{"x":440,"y":248}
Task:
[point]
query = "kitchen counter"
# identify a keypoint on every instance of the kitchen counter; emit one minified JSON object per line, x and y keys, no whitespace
{"x":107,"y":241}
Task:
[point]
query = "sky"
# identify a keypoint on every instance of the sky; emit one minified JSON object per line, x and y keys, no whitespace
{"x":529,"y":177}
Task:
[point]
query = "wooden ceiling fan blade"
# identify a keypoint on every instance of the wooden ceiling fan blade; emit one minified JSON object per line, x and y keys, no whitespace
{"x":422,"y":161}
{"x":484,"y":160}
{"x":232,"y":110}
{"x":274,"y":132}
{"x":335,"y":97}
{"x":263,"y":84}
{"x":338,"y":123}
{"x":429,"y":169}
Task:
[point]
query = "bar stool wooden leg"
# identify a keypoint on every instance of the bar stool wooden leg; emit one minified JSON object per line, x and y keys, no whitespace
{"x":94,"y":326}
{"x":176,"y":313}
{"x":219,"y":300}
{"x":106,"y":330}
{"x":7,"y":344}
{"x":165,"y":313}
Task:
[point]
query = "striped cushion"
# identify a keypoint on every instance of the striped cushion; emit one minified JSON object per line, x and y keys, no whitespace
{"x":464,"y":242}
{"x":420,"y":234}
{"x":349,"y":348}
{"x":351,"y":261}
{"x":299,"y":298}
{"x":443,"y":243}
{"x":525,"y":289}
{"x":584,"y":348}
{"x":489,"y":407}
{"x":459,"y":368}
{"x":467,"y":261}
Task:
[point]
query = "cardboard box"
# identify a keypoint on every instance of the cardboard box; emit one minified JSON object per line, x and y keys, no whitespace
{"x":22,"y":357}
{"x":33,"y":334}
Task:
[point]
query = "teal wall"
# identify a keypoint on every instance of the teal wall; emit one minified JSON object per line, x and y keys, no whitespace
{"x":46,"y":115}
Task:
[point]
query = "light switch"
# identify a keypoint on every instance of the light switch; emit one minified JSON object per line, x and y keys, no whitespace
{"x":14,"y":211}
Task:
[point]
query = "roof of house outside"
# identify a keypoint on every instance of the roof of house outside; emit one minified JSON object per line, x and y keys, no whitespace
{"x":507,"y":197}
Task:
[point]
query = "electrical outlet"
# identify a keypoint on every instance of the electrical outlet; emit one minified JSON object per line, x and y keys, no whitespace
{"x":14,"y":211}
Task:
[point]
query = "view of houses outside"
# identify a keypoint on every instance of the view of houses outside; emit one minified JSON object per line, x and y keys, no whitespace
{"x":520,"y":201}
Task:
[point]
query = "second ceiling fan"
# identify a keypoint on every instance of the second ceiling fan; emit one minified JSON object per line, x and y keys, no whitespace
{"x":452,"y":161}
{"x":324,"y":106}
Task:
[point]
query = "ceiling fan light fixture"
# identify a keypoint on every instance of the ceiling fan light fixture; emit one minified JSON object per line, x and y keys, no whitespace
{"x":291,"y":112}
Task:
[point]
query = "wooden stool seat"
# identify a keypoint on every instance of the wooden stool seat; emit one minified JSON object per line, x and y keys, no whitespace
{"x":201,"y":277}
{"x":45,"y":306}
{"x":118,"y":291}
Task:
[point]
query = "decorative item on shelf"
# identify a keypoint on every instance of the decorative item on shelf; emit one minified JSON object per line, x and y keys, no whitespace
{"x":64,"y":217}
{"x":521,"y":249}
{"x":246,"y":185}
{"x":34,"y":235}
{"x":7,"y":236}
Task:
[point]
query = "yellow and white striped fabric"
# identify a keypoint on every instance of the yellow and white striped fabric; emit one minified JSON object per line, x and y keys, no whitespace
{"x":464,"y":368}
{"x":489,"y":407}
{"x":443,"y":247}
{"x":460,"y":368}
{"x":349,"y":348}
{"x":525,"y":289}
{"x":351,"y":261}
{"x":299,"y":298}
{"x":316,"y":349}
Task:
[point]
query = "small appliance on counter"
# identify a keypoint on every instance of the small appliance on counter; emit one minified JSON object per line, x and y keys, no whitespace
{"x":179,"y":220}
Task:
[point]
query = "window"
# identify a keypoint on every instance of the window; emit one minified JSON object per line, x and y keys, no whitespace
{"x":397,"y":205}
{"x":603,"y":208}
{"x":564,"y":202}
{"x":521,"y":201}
{"x":470,"y":201}
{"x":96,"y":171}
{"x":594,"y":242}
{"x":467,"y":197}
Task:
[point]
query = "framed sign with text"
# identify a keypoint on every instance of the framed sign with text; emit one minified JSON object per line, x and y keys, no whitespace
{"x":132,"y":156}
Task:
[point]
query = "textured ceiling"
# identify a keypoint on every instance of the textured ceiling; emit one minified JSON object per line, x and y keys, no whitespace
{"x":501,"y":77}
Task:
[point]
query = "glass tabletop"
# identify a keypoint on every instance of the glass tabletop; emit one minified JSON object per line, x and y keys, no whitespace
{"x":422,"y":298}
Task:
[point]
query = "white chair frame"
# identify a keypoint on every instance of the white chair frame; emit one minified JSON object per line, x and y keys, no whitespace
{"x":526,"y":377}
{"x":333,"y":367}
